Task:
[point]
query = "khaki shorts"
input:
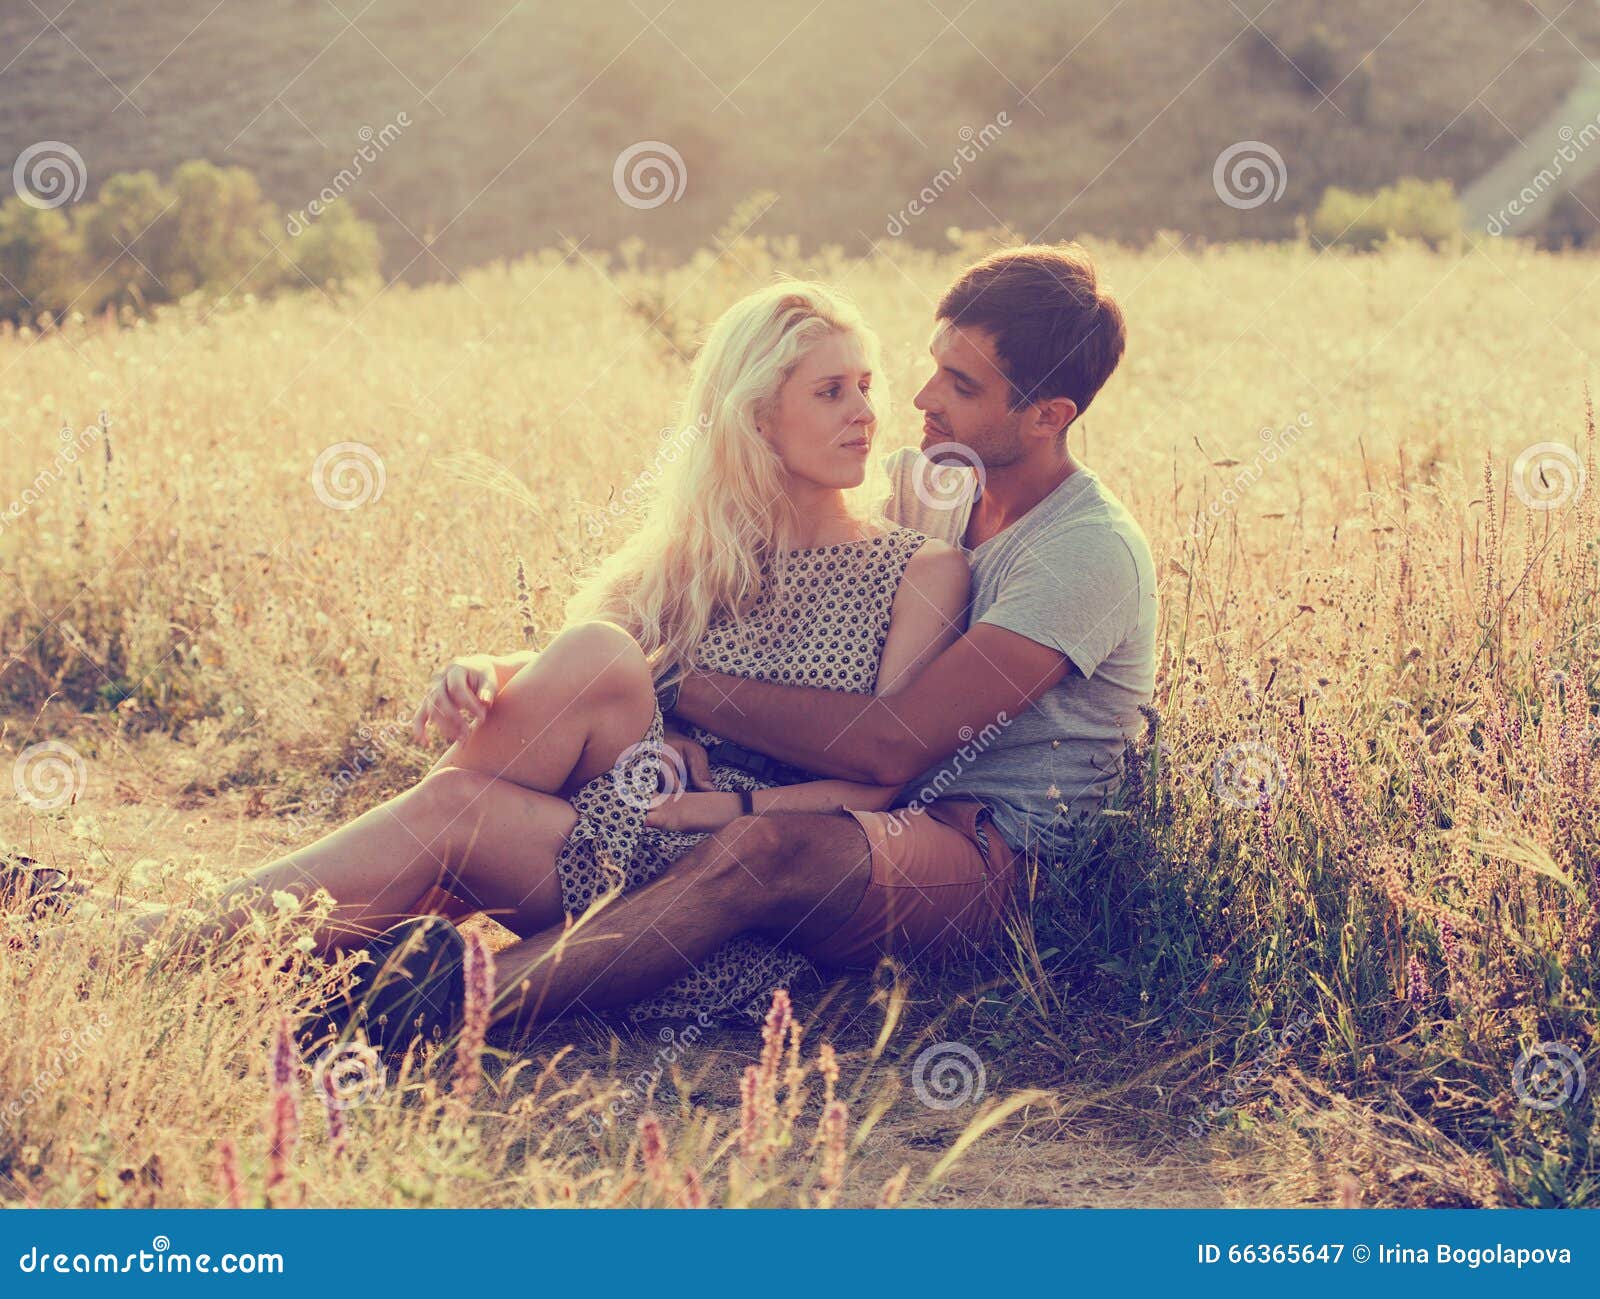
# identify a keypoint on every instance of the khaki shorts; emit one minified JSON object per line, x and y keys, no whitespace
{"x":940,"y":883}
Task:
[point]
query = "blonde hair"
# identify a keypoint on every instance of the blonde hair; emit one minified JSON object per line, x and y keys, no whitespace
{"x":722,"y":512}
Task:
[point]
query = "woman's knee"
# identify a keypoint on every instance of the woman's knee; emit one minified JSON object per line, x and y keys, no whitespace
{"x":598,"y":661}
{"x":445,"y":794}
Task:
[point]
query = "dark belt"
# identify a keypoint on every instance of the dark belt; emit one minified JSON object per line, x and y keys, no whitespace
{"x":725,"y":753}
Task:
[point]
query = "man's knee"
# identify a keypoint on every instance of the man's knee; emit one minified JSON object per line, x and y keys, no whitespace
{"x":780,"y":861}
{"x":750,"y":850}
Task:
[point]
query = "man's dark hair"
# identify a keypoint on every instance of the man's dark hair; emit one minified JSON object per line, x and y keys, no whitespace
{"x":1057,"y":332}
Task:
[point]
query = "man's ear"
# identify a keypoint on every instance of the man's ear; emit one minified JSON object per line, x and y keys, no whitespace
{"x":1053,"y":416}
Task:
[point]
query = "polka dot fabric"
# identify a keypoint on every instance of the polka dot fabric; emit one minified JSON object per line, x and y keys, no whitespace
{"x":821,"y":619}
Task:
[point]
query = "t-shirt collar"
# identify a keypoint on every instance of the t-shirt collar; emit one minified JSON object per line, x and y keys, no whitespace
{"x":1056,"y":499}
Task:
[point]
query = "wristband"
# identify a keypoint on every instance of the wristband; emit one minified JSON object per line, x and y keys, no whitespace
{"x":747,"y":803}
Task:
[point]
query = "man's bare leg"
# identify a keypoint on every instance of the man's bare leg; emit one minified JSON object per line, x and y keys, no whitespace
{"x":796,"y":877}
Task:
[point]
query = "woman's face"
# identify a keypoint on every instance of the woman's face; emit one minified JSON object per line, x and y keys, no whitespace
{"x":822,"y":424}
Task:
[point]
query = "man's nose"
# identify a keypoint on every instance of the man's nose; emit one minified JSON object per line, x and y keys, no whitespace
{"x":923,"y":401}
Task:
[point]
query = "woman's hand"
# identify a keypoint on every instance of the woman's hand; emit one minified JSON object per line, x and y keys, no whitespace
{"x":697,"y":813}
{"x":457,"y":699}
{"x":692,"y":754}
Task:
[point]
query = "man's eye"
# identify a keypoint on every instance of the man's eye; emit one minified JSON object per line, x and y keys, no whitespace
{"x":965,"y":392}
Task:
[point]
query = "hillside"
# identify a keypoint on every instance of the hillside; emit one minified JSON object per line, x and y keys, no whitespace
{"x":1116,"y":109}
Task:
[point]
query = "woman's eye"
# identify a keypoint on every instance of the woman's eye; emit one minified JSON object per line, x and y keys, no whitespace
{"x":831,"y":391}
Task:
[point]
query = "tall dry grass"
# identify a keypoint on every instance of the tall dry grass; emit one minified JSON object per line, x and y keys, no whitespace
{"x":1370,"y":618}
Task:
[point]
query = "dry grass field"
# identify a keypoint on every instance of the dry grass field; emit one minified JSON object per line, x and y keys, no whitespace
{"x":1326,"y":951}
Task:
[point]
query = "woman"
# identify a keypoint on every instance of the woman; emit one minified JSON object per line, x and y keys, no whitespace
{"x":750,"y":562}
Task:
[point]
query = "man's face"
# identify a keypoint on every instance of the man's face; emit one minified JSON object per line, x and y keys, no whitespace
{"x":967,"y":401}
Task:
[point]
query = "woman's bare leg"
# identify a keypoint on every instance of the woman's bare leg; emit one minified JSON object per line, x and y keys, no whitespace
{"x":559,"y":722}
{"x":566,"y":716}
{"x":488,"y":841}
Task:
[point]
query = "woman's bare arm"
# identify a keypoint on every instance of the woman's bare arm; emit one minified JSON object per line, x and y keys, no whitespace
{"x":930,"y":611}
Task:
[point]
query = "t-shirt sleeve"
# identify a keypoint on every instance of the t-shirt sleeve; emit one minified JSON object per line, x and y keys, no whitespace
{"x":1076,"y":591}
{"x":935,"y":500}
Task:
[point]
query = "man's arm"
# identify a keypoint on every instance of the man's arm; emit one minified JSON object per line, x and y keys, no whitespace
{"x":1064,"y":605}
{"x":705,"y":811}
{"x":882,"y":739}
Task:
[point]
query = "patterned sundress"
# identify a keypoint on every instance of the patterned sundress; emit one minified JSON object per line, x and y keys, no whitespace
{"x":820,"y":619}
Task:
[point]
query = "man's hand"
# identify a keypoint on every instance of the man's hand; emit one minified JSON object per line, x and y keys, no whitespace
{"x":458,"y":698}
{"x":989,"y":677}
{"x":693,"y":756}
{"x":697,"y":813}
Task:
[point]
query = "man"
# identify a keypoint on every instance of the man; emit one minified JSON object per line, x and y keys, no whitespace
{"x":1013,"y":732}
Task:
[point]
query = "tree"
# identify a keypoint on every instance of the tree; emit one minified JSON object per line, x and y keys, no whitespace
{"x":127,"y":232}
{"x":41,"y":261}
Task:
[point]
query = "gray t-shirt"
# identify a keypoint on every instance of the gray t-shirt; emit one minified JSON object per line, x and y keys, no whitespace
{"x":1074,"y":573}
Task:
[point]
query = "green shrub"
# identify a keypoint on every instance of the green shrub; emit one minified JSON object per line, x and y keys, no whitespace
{"x":127,"y":232}
{"x":219,"y":239}
{"x":337,"y":248}
{"x":41,"y":261}
{"x":1410,"y":208}
{"x":141,"y":241}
